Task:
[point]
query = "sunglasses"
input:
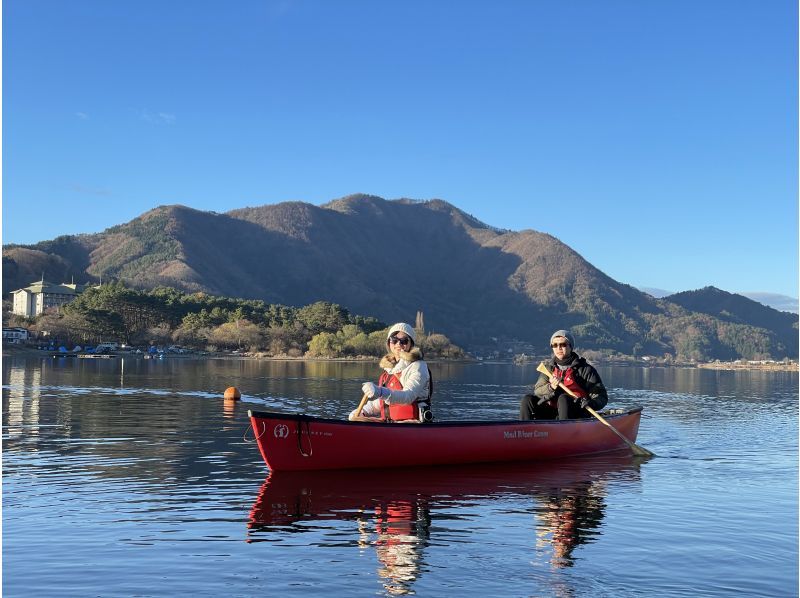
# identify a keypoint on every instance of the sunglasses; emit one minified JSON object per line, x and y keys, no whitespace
{"x":399,"y":341}
{"x":559,"y":345}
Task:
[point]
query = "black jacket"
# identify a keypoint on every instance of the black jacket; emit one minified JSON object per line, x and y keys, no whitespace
{"x":586,"y":377}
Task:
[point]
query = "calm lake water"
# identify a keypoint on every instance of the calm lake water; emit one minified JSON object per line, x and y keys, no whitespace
{"x":132,"y":477}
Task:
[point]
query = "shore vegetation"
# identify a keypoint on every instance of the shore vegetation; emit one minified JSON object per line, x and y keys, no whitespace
{"x":165,"y":316}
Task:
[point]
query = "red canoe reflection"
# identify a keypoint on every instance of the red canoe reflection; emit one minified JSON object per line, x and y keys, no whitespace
{"x":291,"y":496}
{"x":394,"y":508}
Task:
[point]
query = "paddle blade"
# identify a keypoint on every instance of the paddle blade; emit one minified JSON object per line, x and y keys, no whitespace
{"x":640,"y":451}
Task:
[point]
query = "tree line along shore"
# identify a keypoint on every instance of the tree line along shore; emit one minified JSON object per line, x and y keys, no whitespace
{"x":224,"y":326}
{"x":200,"y":322}
{"x":31,"y":350}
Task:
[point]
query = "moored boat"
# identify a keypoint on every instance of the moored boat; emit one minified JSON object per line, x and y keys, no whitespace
{"x":303,"y":442}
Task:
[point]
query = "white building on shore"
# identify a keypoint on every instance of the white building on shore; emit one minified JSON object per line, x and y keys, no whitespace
{"x":40,"y":296}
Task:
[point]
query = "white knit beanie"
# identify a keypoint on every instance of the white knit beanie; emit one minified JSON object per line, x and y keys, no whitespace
{"x":402,"y":327}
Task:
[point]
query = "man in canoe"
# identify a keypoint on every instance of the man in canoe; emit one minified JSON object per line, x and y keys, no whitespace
{"x":403,"y":392}
{"x":549,"y":400}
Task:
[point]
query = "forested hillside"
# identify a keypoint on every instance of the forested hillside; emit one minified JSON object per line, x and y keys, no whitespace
{"x":390,"y":259}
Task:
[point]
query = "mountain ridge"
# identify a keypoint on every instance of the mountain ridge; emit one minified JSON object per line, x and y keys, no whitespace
{"x":389,"y":259}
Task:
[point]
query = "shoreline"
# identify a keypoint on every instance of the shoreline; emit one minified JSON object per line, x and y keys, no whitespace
{"x":792,"y":366}
{"x":766,"y":367}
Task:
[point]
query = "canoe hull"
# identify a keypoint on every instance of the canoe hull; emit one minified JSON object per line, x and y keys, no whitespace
{"x":302,"y":442}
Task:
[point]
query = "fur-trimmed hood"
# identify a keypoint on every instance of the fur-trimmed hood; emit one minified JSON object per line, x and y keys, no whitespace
{"x":389,"y":361}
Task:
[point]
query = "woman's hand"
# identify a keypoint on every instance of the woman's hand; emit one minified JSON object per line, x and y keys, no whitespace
{"x":372,"y":390}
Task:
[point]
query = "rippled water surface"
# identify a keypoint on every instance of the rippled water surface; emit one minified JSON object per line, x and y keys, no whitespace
{"x":132,"y":477}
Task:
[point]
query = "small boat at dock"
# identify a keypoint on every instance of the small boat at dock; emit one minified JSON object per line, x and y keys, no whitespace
{"x":301,"y":442}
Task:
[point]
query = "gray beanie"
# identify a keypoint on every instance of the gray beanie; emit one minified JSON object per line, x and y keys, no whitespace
{"x":566,"y":334}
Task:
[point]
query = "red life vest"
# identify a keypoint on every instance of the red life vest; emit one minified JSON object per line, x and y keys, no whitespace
{"x":566,"y":377}
{"x":397,"y":412}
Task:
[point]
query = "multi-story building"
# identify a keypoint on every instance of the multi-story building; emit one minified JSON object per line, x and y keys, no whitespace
{"x":41,"y":296}
{"x":15,"y":335}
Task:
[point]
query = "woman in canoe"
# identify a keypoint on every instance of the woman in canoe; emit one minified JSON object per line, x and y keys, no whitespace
{"x":403,"y":391}
{"x":549,"y":400}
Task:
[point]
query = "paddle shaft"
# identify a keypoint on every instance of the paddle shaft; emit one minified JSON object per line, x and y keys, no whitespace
{"x":637,"y":450}
{"x":361,"y":406}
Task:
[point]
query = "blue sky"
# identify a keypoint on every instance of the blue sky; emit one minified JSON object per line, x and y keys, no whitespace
{"x":658,"y":138}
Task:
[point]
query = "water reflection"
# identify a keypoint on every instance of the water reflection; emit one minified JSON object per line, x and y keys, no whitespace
{"x":144,"y":454}
{"x":21,"y":413}
{"x":740,"y":384}
{"x":399,"y":513}
{"x":229,"y":408}
{"x":401,"y":531}
{"x":567,"y":517}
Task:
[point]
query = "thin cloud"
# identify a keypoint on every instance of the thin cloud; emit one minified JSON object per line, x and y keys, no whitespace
{"x":82,"y":115}
{"x":84,"y":190}
{"x":157,"y":118}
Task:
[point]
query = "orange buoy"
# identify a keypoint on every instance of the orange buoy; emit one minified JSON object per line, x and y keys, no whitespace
{"x":232,"y":394}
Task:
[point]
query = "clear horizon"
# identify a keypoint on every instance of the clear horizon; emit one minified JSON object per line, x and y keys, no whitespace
{"x":658,"y":140}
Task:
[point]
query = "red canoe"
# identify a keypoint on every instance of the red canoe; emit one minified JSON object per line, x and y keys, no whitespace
{"x":302,"y":442}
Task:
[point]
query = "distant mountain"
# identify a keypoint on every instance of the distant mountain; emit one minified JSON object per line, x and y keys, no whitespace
{"x":738,"y":309}
{"x":657,"y":293}
{"x":775,"y":301}
{"x":389,"y":259}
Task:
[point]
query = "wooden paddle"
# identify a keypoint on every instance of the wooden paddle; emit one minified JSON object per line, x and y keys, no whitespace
{"x":635,"y":448}
{"x":361,"y":406}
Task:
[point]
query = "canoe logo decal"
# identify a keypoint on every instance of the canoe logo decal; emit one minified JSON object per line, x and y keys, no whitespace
{"x":281,"y":431}
{"x":524,"y":434}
